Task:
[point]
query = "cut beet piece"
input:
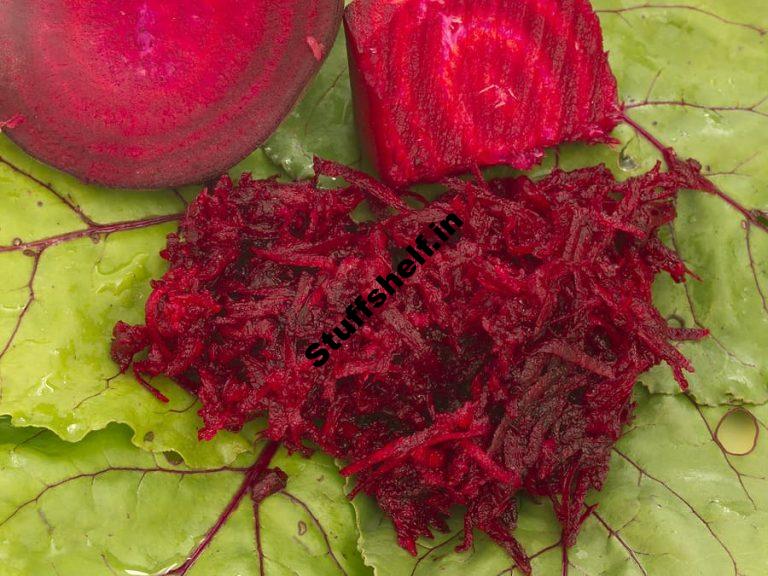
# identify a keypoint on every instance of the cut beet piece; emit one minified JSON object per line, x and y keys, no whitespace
{"x":154,"y":93}
{"x":442,"y":86}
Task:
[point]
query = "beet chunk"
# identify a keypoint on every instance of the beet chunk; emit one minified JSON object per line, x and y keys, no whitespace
{"x":155,"y":93}
{"x":441,"y":87}
{"x":505,"y":363}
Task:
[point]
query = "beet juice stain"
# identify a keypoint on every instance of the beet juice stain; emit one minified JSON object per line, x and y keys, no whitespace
{"x":359,"y":309}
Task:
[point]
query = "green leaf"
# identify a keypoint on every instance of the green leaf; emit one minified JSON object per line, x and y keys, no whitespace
{"x":76,"y":259}
{"x":674,"y":503}
{"x":103,"y":507}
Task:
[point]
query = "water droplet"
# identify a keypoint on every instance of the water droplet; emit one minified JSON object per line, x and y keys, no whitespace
{"x":626,"y":162}
{"x":73,"y":429}
{"x":17,"y":242}
{"x":302,"y":528}
{"x":737,"y":432}
{"x":45,"y":387}
{"x":173,"y":458}
{"x":129,"y":568}
{"x":676,"y":321}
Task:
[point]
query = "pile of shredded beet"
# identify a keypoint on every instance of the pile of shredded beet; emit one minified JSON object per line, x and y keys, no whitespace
{"x":506,"y":363}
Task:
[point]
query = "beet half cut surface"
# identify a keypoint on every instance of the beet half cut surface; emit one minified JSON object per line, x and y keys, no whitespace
{"x":505,"y":363}
{"x":155,"y":93}
{"x":442,"y":86}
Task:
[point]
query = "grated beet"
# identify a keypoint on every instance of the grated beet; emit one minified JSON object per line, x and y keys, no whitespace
{"x":506,"y":362}
{"x":441,"y":86}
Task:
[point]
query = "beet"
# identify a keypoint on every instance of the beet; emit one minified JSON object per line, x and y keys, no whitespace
{"x":442,"y":86}
{"x":155,"y":93}
{"x":506,"y":362}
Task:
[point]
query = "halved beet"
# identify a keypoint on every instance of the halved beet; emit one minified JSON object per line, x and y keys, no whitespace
{"x":442,"y":86}
{"x":153,"y":93}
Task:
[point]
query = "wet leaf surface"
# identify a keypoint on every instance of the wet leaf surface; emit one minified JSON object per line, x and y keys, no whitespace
{"x":102,"y":506}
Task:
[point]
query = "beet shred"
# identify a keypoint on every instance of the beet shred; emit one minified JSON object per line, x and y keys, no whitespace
{"x":505,"y":365}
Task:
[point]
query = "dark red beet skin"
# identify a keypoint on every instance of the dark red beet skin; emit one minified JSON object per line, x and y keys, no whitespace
{"x":155,"y":93}
{"x":505,"y":363}
{"x":442,"y":86}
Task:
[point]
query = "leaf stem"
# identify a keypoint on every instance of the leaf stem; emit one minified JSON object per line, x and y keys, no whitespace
{"x":704,"y":183}
{"x":251,"y":476}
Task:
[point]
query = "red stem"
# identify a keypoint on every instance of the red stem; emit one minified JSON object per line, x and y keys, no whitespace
{"x":253,"y":473}
{"x":670,"y":158}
